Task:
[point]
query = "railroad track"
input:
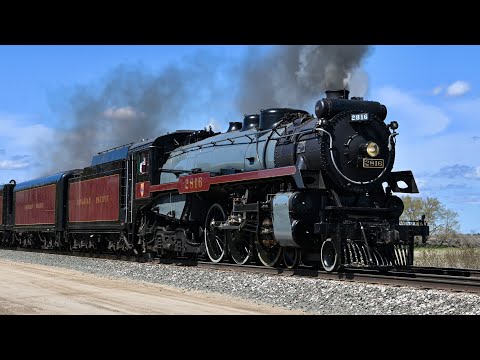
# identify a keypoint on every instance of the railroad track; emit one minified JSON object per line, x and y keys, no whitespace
{"x":450,"y":279}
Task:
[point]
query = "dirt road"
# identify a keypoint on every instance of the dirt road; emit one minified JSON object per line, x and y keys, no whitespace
{"x":38,"y":289}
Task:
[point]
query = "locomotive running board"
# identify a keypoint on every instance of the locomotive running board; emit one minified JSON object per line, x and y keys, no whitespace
{"x":202,"y":181}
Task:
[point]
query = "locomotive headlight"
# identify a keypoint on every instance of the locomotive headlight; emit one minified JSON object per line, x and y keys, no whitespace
{"x":372,"y":149}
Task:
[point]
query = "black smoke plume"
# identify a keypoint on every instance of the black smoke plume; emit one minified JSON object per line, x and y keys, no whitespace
{"x":132,"y":103}
{"x":129,"y":105}
{"x":297,"y":75}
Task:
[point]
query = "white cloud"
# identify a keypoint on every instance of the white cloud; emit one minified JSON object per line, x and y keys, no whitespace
{"x":12,"y":164}
{"x":216,"y":126}
{"x":471,"y":200}
{"x":430,"y":154}
{"x":126,"y":112}
{"x":458,"y":88}
{"x":21,"y":139}
{"x":420,"y":118}
{"x":477,"y":172}
{"x":20,"y":135}
{"x":465,"y":111}
{"x":437,"y":90}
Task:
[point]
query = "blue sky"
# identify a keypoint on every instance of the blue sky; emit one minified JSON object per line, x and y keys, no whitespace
{"x":432,"y":91}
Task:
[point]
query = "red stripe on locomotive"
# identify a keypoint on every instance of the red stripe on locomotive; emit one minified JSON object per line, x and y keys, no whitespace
{"x":164,"y":187}
{"x":254,"y":175}
{"x":94,"y":200}
{"x":201,"y":182}
{"x":35,"y":206}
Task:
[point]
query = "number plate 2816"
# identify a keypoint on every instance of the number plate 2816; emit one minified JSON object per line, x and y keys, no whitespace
{"x":373,"y":163}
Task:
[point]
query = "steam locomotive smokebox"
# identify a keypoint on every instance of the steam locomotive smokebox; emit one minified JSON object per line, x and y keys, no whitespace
{"x":337,"y":102}
{"x":234,"y":125}
{"x":337,"y":94}
{"x":250,"y":122}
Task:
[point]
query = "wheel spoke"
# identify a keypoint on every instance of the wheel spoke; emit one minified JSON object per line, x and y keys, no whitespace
{"x":218,"y":244}
{"x":268,"y":249}
{"x":215,"y":239}
{"x":240,"y":246}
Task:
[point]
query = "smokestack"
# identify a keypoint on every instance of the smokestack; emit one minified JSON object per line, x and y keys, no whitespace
{"x":337,"y":94}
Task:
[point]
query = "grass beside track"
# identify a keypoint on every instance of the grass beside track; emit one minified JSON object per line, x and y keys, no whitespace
{"x":466,"y":257}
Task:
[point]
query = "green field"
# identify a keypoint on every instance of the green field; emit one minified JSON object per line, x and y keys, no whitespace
{"x":461,"y":257}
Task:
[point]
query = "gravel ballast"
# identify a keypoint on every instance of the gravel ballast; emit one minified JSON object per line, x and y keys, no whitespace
{"x":314,"y":296}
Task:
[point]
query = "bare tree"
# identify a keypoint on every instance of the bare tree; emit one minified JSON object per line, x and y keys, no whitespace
{"x":443,"y":222}
{"x":448,"y":232}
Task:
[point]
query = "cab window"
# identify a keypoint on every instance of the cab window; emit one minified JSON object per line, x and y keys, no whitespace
{"x":143,"y":166}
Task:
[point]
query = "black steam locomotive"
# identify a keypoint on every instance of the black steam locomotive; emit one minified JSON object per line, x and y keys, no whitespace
{"x":282,"y":188}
